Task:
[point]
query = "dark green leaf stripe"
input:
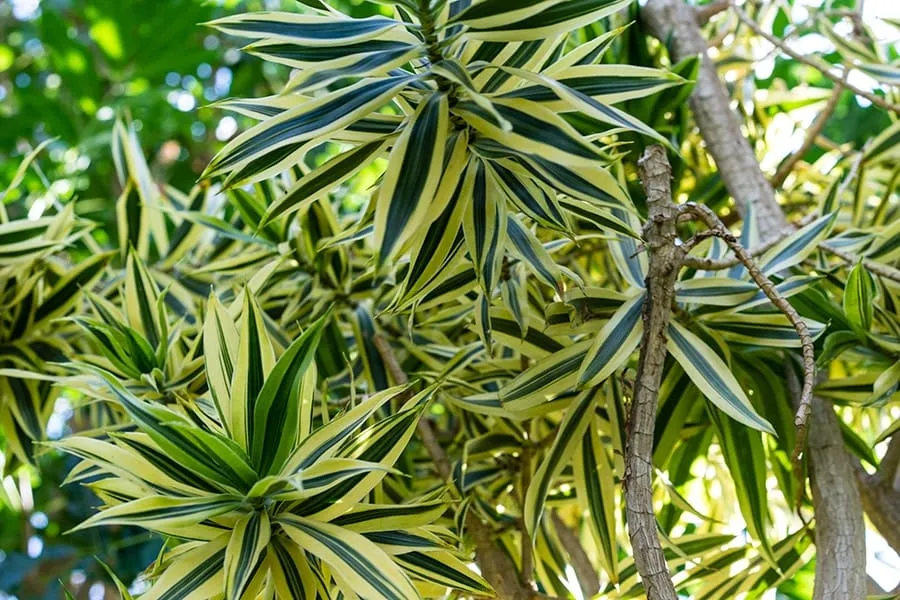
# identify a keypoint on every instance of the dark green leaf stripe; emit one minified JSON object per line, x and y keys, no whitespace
{"x":590,"y":86}
{"x":305,"y":124}
{"x":568,"y":181}
{"x":539,"y":377}
{"x":527,"y":126}
{"x":692,"y":359}
{"x":531,"y":199}
{"x":484,"y":214}
{"x":519,"y":58}
{"x":525,"y":244}
{"x":625,"y":326}
{"x":314,"y":54}
{"x":368,"y":64}
{"x":797,"y":246}
{"x":275,"y":418}
{"x":500,"y":8}
{"x":199,"y":575}
{"x":330,"y":31}
{"x":374,"y":513}
{"x":352,"y":557}
{"x":597,"y":498}
{"x":571,"y":430}
{"x":432,"y":568}
{"x":533,"y":336}
{"x":746,"y":460}
{"x":289,"y":569}
{"x":255,"y":533}
{"x":66,"y":291}
{"x":425,"y":143}
{"x":561,"y":12}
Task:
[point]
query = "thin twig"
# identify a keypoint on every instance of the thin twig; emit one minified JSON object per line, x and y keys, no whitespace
{"x":817,"y":64}
{"x":811,"y":134}
{"x":493,"y":562}
{"x":801,"y":419}
{"x":877,"y":268}
{"x":581,"y":563}
{"x":717,"y":264}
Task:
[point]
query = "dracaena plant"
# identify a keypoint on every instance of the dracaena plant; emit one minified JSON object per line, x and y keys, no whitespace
{"x":445,"y":194}
{"x":471,"y":106}
{"x":265,"y":494}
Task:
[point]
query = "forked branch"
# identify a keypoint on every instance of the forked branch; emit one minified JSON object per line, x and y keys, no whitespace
{"x":801,"y":420}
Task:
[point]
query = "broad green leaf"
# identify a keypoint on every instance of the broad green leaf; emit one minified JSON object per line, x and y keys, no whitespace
{"x":285,"y":402}
{"x":485,"y":226}
{"x":713,"y":377}
{"x":596,"y":487}
{"x":410,"y":184}
{"x":317,"y":31}
{"x":220,"y":349}
{"x":506,"y":20}
{"x":318,"y":182}
{"x":530,"y":249}
{"x":714,"y":291}
{"x":558,"y":141}
{"x":614,"y":343}
{"x":245,"y":550}
{"x":549,"y":376}
{"x":290,"y":570}
{"x":442,"y":568}
{"x":307,"y":121}
{"x":164,"y":511}
{"x":859,"y":297}
{"x":796,"y":247}
{"x":254,"y":362}
{"x":568,"y":438}
{"x":195,"y":575}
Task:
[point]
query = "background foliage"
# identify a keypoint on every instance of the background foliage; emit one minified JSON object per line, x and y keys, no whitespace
{"x":76,"y":70}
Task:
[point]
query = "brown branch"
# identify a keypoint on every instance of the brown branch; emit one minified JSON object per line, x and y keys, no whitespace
{"x":876,"y":268}
{"x":717,"y":264}
{"x":708,"y":11}
{"x":823,"y":67}
{"x":493,"y":562}
{"x":581,"y":563}
{"x":840,"y":530}
{"x":665,"y":257}
{"x":709,"y":218}
{"x":811,"y":134}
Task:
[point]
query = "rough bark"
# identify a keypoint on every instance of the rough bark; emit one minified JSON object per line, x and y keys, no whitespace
{"x":840,"y":564}
{"x":840,"y":530}
{"x":665,"y":260}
